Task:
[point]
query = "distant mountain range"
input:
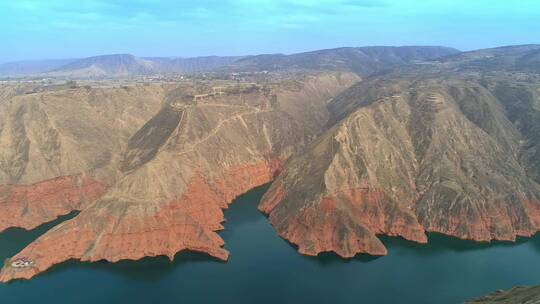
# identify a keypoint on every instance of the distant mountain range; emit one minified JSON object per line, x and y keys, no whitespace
{"x":106,"y":65}
{"x":362,"y":60}
{"x":116,"y":65}
{"x":32,"y":67}
{"x":521,"y":57}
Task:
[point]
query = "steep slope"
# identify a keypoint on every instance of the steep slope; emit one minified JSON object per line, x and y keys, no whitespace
{"x":407,"y":156}
{"x":361,"y":60}
{"x":176,"y":181}
{"x":58,"y":148}
{"x":522,"y":103}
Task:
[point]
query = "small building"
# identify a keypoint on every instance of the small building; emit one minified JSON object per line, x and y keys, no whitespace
{"x":22,"y":263}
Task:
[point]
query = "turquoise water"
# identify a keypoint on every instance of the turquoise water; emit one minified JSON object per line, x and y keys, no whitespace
{"x":263,"y":268}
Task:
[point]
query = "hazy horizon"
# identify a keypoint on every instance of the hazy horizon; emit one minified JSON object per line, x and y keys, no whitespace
{"x":60,"y":29}
{"x":218,"y":55}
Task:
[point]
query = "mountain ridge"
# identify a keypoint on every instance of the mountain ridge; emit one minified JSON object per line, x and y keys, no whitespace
{"x":370,"y":59}
{"x":416,"y":147}
{"x":424,"y":148}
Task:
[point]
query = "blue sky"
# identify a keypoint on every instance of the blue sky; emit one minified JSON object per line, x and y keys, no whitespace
{"x":36,"y":29}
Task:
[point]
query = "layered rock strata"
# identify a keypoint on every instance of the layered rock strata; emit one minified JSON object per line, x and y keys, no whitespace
{"x":59,"y":147}
{"x":183,"y":167}
{"x":404,"y":158}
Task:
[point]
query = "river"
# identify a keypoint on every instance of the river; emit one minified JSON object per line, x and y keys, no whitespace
{"x":263,"y":268}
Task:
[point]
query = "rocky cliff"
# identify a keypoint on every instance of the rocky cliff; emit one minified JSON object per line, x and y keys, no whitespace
{"x":406,"y":156}
{"x":58,"y":148}
{"x":186,"y":164}
{"x":430,"y":147}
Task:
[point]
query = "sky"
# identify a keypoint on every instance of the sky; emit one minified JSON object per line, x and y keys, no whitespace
{"x":45,"y":29}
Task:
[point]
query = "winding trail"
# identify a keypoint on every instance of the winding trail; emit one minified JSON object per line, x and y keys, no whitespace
{"x":215,"y":130}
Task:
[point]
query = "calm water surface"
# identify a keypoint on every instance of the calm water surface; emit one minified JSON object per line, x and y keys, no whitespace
{"x":263,"y":268}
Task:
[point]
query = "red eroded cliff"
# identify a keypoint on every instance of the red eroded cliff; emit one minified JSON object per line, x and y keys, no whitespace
{"x":405,"y":158}
{"x":115,"y":231}
{"x":176,"y":173}
{"x":28,"y":206}
{"x":346,"y":223}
